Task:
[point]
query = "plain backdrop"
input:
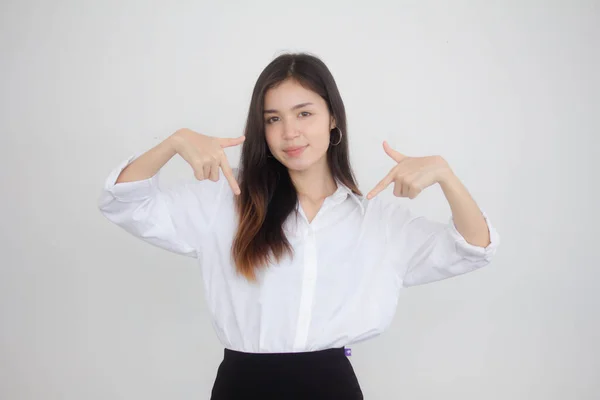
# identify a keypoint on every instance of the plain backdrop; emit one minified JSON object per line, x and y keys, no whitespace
{"x":506,"y":91}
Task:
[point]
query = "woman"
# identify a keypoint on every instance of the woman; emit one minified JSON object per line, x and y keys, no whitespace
{"x":296,"y":263}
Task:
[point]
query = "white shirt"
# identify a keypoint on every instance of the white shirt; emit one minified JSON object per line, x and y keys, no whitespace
{"x":342,"y":285}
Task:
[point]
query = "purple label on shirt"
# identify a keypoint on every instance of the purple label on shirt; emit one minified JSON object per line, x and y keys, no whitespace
{"x":348,"y":352}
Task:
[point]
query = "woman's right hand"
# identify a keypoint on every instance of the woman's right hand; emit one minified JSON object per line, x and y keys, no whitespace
{"x":205,"y":155}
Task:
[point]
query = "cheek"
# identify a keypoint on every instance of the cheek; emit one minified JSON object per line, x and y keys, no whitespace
{"x":321,"y":141}
{"x":271,"y":138}
{"x":319,"y":133}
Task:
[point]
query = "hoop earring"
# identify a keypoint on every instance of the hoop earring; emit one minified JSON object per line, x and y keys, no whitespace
{"x":340,"y":140}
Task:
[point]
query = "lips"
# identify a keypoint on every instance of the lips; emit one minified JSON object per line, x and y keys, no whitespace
{"x":294,"y":148}
{"x":294,"y":151}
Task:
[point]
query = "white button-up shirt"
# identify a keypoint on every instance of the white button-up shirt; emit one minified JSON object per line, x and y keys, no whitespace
{"x":340,"y":287}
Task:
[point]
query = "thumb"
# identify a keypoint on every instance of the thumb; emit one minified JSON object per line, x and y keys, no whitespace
{"x":228,"y":142}
{"x":395,"y":155}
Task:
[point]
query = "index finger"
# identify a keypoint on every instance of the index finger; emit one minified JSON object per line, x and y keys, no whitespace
{"x":385,"y":182}
{"x":229,"y":142}
{"x":228,"y":172}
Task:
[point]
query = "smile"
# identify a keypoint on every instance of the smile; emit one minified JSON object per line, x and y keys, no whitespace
{"x":295,"y":151}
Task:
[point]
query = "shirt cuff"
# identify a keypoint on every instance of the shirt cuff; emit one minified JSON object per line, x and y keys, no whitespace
{"x":470,"y":251}
{"x":131,"y":191}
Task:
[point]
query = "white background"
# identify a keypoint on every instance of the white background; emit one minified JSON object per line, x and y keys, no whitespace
{"x":507,"y":92}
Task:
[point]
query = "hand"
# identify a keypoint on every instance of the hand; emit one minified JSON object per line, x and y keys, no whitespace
{"x":205,"y":155}
{"x":412,"y":174}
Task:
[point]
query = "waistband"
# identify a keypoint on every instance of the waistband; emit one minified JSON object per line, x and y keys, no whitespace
{"x":310,"y":356}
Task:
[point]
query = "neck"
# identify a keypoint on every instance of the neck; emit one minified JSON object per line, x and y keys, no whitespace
{"x":315,"y":183}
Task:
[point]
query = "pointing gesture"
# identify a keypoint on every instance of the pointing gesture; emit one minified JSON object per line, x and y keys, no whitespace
{"x":411,"y":175}
{"x":205,"y":155}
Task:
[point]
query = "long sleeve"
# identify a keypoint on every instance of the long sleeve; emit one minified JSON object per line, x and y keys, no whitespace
{"x":171,"y":219}
{"x":426,"y":251}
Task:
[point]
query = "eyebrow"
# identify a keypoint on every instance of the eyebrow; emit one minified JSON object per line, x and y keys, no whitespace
{"x":297,"y":106}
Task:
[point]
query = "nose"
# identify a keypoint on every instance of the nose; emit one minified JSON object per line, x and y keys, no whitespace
{"x":290,"y":130}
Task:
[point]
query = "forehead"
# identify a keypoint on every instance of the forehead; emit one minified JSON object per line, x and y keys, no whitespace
{"x":289,"y":93}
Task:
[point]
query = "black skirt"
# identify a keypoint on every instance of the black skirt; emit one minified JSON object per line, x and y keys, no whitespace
{"x":325,"y":374}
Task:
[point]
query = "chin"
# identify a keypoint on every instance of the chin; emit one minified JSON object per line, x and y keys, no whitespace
{"x":297,"y":165}
{"x":302,"y":163}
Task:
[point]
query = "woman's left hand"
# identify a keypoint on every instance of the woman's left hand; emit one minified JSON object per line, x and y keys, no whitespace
{"x":412,"y":175}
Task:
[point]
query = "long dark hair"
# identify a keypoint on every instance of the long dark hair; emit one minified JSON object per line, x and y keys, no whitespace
{"x":268,"y":195}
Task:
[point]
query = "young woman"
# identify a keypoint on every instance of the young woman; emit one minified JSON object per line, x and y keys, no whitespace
{"x":296,"y":263}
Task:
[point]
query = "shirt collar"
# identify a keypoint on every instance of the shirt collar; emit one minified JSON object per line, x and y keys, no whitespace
{"x":343,"y":191}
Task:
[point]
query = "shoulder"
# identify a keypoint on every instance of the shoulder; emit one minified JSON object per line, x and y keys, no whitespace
{"x":386,"y":210}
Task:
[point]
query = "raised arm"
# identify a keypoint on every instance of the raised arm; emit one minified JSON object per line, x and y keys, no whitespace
{"x":174,"y":218}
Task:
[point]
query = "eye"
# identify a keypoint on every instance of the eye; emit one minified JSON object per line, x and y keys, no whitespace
{"x":305,"y":112}
{"x":270,"y":120}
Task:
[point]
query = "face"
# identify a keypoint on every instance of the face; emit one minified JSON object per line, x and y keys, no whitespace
{"x":297,"y":126}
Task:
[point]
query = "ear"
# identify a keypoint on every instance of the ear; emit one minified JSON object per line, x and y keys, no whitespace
{"x":332,"y":123}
